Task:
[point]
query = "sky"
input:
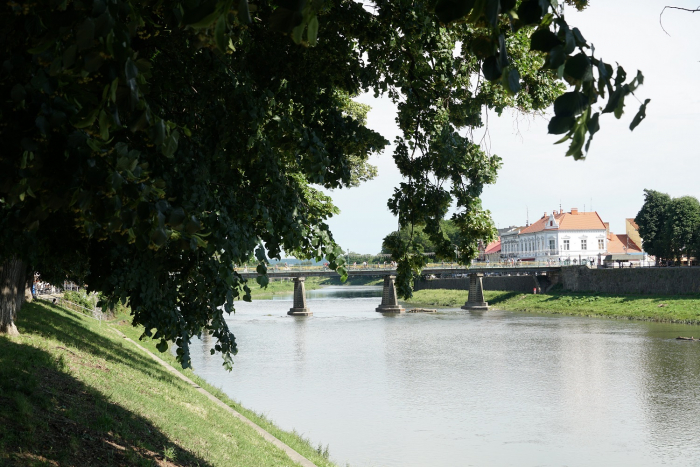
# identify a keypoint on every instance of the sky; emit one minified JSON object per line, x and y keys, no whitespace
{"x":661,"y":154}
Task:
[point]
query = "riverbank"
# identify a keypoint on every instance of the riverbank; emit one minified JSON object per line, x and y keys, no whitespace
{"x":286,"y":287}
{"x":677,"y":309}
{"x":74,"y":392}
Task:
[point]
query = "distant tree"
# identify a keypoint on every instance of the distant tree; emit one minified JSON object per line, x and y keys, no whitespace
{"x":421,"y":240}
{"x":682,"y":226}
{"x":651,"y":220}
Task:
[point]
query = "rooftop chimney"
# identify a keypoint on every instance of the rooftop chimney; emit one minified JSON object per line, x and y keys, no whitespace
{"x":574,"y":211}
{"x":544,"y":216}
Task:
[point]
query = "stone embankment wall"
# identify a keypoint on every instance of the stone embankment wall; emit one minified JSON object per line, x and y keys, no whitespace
{"x":661,"y":281}
{"x":509,"y":283}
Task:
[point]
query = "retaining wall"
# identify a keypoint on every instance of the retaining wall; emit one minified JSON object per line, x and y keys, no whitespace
{"x":508,"y":283}
{"x":661,"y":281}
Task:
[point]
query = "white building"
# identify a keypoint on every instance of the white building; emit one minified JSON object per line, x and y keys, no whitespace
{"x":568,"y":237}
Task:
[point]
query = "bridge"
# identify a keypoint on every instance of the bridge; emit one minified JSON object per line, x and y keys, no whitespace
{"x":390,"y":302}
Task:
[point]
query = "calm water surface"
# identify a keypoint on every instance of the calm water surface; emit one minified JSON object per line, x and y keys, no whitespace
{"x":458,"y":388}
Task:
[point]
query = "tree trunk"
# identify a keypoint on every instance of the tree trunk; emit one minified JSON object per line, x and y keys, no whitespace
{"x":13,"y":280}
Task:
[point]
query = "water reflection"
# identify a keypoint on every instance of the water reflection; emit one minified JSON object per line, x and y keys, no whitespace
{"x":460,"y":388}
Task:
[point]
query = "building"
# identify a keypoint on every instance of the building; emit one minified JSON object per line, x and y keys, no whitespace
{"x":492,"y":253}
{"x":563,"y":237}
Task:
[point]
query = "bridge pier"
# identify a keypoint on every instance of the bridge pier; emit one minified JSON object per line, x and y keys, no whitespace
{"x":299,"y":308}
{"x":390,"y":304}
{"x":475,"y":301}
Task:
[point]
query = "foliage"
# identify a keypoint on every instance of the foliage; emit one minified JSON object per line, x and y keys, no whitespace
{"x":682,"y":226}
{"x":420,"y":238}
{"x":81,"y":297}
{"x":651,"y":220}
{"x":150,"y":146}
{"x":669,"y":227}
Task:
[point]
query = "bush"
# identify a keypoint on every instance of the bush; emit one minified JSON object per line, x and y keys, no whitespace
{"x":81,"y":298}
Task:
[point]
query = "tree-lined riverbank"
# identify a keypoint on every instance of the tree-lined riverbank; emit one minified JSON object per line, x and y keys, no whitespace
{"x":677,"y":309}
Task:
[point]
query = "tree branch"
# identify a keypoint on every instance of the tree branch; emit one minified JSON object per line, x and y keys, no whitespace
{"x":675,"y":8}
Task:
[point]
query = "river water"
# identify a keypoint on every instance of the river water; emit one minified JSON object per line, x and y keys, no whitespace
{"x":460,"y":388}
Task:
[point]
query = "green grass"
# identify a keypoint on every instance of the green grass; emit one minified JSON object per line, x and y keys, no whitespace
{"x":677,"y":309}
{"x":286,"y":287}
{"x":72,"y":392}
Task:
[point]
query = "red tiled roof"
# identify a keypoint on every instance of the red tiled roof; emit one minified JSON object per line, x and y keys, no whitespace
{"x":493,"y":247}
{"x":621,"y":244}
{"x":568,"y":221}
{"x":633,"y":224}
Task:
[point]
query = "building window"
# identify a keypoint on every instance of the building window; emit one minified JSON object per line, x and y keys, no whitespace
{"x":601,"y":244}
{"x":583,"y":244}
{"x":566,"y":244}
{"x":551,"y":243}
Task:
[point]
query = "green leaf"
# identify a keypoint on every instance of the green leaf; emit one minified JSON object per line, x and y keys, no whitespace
{"x":244,"y":12}
{"x":641,"y":115}
{"x":511,"y":81}
{"x":105,"y":121}
{"x":577,"y":141}
{"x":219,"y":32}
{"x":544,"y":40}
{"x":312,"y":31}
{"x":170,"y":144}
{"x":41,"y":48}
{"x":556,"y":57}
{"x":580,"y":41}
{"x":84,"y":118}
{"x":159,"y":237}
{"x":492,"y":69}
{"x":162,"y":346}
{"x":491,"y":11}
{"x":570,"y":104}
{"x":579,"y":68}
{"x":592,"y":124}
{"x":560,"y":125}
{"x":297,"y":33}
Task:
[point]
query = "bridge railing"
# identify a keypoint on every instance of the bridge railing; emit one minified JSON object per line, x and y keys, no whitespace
{"x":276,"y":268}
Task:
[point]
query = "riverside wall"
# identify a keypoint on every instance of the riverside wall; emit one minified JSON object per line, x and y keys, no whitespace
{"x":659,"y":281}
{"x":523,"y":284}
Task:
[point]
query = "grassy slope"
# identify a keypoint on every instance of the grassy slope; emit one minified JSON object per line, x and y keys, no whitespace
{"x":74,"y":393}
{"x":681,"y":308}
{"x":286,"y":287}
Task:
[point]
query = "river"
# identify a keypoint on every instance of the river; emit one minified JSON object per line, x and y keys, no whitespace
{"x":460,"y":388}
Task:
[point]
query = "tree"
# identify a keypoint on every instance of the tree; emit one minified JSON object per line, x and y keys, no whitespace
{"x":149,"y":146}
{"x":652,"y":219}
{"x":682,"y":226}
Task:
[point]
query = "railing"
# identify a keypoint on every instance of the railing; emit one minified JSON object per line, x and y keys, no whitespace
{"x":277,"y":268}
{"x":95,"y":312}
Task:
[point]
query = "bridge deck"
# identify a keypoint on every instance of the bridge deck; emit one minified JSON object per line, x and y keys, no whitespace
{"x":380,"y":272}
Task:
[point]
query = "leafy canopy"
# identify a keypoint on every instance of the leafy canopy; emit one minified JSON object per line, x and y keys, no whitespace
{"x":150,"y":146}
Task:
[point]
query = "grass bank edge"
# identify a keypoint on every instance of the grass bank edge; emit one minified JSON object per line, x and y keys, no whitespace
{"x":318,"y":455}
{"x":682,"y":309}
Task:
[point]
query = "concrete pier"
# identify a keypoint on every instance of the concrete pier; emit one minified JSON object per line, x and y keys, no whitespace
{"x":390,"y":304}
{"x":299,"y":308}
{"x":475,"y":301}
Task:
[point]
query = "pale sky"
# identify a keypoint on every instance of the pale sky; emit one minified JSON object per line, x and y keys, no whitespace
{"x":661,"y":154}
